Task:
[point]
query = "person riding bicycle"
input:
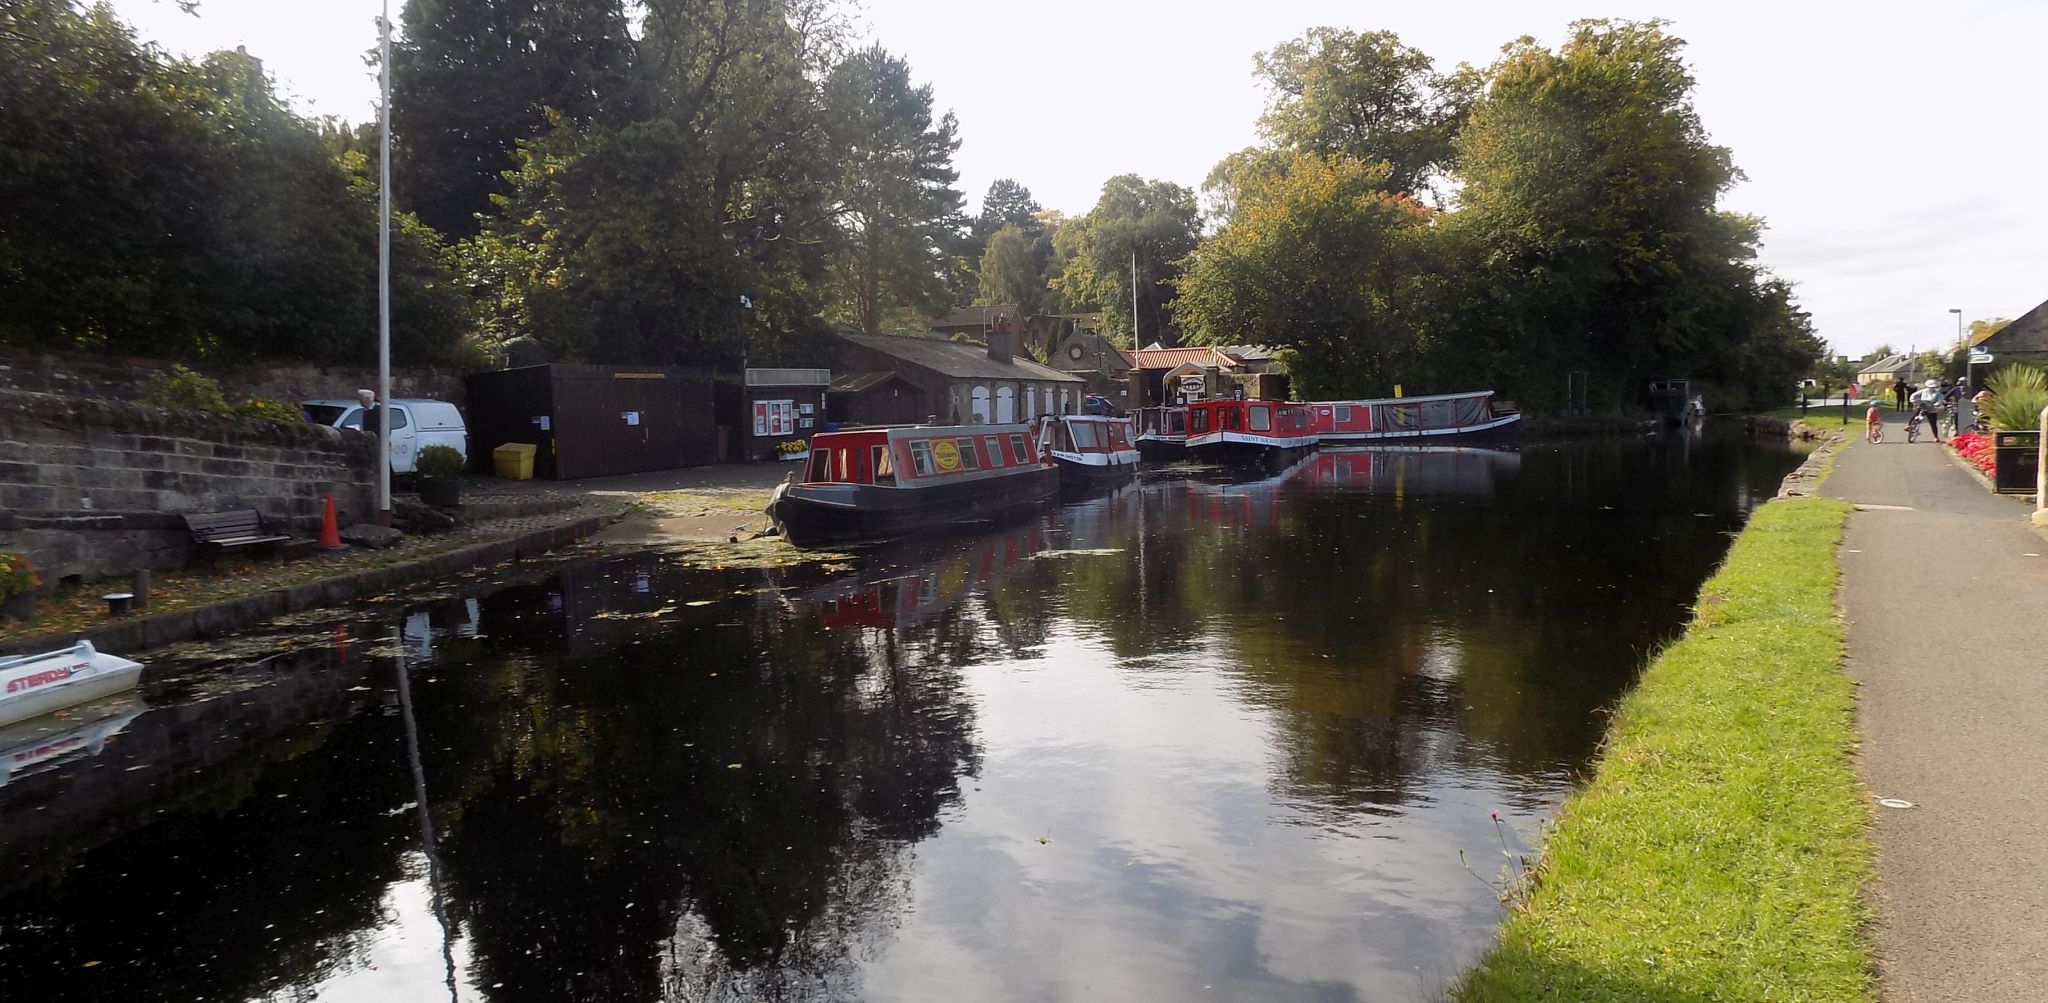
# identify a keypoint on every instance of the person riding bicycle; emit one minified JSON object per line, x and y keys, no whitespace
{"x":1873,"y":423}
{"x":1927,"y":404}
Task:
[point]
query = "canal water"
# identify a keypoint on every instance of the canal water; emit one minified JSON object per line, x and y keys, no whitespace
{"x":1199,"y":739}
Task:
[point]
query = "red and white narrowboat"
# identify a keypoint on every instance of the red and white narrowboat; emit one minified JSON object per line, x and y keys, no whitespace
{"x":1234,"y":431}
{"x":1162,"y":432}
{"x":1472,"y":417}
{"x":1091,"y":451}
{"x":880,"y":482}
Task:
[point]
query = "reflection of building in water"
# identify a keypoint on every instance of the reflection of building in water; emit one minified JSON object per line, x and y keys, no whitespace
{"x":1418,"y":471}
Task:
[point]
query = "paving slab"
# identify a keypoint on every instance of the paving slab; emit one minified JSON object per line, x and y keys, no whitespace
{"x":1945,"y":592}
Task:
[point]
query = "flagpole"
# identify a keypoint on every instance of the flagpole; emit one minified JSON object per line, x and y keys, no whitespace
{"x":384,"y":276}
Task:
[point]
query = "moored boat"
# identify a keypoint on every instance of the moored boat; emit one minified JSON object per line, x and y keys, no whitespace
{"x":1162,"y":433}
{"x":1248,"y":431}
{"x":880,"y":482}
{"x":1473,"y":416}
{"x":1091,"y":451}
{"x":34,"y":685}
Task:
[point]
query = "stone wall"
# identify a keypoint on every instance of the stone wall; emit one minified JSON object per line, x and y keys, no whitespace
{"x":100,"y":377}
{"x":94,"y":488}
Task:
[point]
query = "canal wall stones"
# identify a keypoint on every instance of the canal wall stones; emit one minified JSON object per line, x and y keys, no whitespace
{"x":138,"y":633}
{"x":97,"y":488}
{"x":95,"y":377}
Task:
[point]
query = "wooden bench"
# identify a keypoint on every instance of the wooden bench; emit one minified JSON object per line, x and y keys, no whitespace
{"x":216,"y":533}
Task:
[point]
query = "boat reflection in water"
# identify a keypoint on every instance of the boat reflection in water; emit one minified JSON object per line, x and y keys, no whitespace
{"x":1446,"y":471}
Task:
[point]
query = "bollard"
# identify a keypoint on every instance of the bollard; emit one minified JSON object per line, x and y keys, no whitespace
{"x":138,"y":586}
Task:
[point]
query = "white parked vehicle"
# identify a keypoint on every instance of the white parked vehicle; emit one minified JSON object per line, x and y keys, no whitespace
{"x":415,"y":425}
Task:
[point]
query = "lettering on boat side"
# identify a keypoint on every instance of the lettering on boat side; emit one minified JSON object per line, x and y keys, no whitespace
{"x":35,"y":679}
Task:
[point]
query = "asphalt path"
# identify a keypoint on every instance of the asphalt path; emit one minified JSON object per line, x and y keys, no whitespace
{"x":1945,"y":592}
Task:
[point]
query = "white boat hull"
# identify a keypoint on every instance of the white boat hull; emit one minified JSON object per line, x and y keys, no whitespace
{"x":34,"y":685}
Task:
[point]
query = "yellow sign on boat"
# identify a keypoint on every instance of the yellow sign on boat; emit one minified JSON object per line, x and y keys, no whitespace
{"x":945,"y":455}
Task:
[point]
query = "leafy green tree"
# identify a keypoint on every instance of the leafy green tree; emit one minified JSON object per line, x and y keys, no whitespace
{"x":896,"y":204}
{"x":1010,"y":271}
{"x":1158,"y":222}
{"x":1007,"y":203}
{"x":1985,"y":328}
{"x":1322,"y":259}
{"x":1366,"y":95}
{"x":472,"y":77}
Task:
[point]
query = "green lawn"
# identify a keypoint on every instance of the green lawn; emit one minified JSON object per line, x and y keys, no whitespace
{"x":1718,"y":851}
{"x":1825,"y":416}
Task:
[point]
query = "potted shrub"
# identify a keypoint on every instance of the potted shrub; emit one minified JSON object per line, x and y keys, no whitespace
{"x":440,"y":476}
{"x":18,"y":581}
{"x":793,"y":449}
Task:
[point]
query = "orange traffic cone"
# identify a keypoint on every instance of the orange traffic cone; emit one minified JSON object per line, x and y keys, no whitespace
{"x":330,"y":534}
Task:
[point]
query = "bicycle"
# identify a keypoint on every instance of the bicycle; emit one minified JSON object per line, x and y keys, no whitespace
{"x":1873,"y":432}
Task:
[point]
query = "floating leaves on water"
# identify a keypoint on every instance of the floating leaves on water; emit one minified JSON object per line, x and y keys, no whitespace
{"x":613,"y":614}
{"x":698,"y":602}
{"x":1078,"y":553}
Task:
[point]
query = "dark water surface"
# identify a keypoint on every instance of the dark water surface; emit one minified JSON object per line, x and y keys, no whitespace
{"x":1191,"y":741}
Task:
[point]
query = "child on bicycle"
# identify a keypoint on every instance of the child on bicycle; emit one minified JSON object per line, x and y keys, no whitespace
{"x":1873,"y":423}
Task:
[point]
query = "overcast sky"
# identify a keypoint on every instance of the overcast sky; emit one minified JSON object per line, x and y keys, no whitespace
{"x":1896,"y":151}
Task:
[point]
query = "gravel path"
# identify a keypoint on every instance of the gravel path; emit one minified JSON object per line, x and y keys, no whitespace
{"x":1946,"y":595}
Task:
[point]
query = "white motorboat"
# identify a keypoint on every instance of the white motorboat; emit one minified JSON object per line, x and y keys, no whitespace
{"x":34,"y":685}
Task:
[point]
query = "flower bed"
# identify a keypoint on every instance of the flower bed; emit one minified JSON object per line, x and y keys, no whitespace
{"x":1975,"y":449}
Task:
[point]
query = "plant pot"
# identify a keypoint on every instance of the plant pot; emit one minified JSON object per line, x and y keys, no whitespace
{"x":805,"y":455}
{"x":20,"y":606}
{"x":441,"y":492}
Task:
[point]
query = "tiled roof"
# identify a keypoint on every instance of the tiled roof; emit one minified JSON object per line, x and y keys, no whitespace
{"x":853,"y":383}
{"x":956,"y":359}
{"x":978,"y":317}
{"x":1889,"y":364}
{"x":2027,"y":334}
{"x":1172,"y":358}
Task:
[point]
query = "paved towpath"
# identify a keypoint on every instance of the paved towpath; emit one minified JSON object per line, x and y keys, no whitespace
{"x":1946,"y":594}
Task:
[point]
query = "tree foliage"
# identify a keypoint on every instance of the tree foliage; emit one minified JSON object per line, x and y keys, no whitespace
{"x":470,"y":78}
{"x":1158,"y":222}
{"x":162,"y":206}
{"x":1366,"y":95}
{"x":896,"y":206}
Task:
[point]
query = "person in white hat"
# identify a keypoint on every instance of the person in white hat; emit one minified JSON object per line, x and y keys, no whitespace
{"x":1927,"y":406}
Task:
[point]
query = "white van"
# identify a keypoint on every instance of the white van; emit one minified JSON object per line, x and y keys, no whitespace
{"x":415,"y":425}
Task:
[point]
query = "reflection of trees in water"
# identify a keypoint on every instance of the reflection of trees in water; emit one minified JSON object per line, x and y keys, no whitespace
{"x":714,"y":812}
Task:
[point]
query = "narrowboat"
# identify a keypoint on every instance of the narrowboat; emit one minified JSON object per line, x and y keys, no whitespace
{"x":1091,"y":451}
{"x":874,"y":483}
{"x":34,"y":685}
{"x":1249,"y":431}
{"x":1468,"y":417}
{"x":1162,"y":433}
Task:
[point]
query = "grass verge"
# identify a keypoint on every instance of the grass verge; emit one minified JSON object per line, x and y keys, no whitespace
{"x":1828,"y":417}
{"x":1719,"y":850}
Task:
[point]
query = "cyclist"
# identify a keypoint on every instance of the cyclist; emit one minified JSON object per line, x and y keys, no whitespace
{"x":1926,"y":404}
{"x":1873,"y":423}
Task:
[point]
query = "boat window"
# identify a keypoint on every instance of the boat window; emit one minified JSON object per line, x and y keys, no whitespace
{"x":921,"y":456}
{"x":1343,"y":414}
{"x":1119,"y":436}
{"x":1198,"y":421}
{"x":1086,"y":435}
{"x":995,"y":451}
{"x":1062,"y":437}
{"x":1177,"y":422}
{"x":969,"y":459}
{"x":1020,"y":451}
{"x":845,"y":457}
{"x":1260,"y":419}
{"x":885,"y":467}
{"x":820,"y":467}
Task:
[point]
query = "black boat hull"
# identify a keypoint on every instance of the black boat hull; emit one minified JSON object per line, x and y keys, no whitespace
{"x":1082,"y":477}
{"x":808,"y":516}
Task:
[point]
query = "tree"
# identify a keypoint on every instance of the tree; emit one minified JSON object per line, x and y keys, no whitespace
{"x":1319,"y":258}
{"x":1010,"y":271}
{"x":1588,"y":219}
{"x":1366,"y":95}
{"x":1982,"y":329}
{"x":1154,"y":220}
{"x":470,"y":78}
{"x":1007,"y":203}
{"x":896,"y":204}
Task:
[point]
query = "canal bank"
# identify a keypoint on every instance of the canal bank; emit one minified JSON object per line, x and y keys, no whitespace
{"x":1718,"y":848}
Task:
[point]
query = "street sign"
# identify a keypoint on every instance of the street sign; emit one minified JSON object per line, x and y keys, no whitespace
{"x":1980,"y":358}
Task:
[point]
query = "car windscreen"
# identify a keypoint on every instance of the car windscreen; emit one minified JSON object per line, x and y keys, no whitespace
{"x":323,"y":414}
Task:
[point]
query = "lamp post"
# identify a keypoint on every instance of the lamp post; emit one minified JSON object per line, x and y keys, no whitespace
{"x":384,"y":270}
{"x":1958,"y":311}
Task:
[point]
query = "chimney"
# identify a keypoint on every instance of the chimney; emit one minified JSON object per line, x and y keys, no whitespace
{"x":999,"y":340}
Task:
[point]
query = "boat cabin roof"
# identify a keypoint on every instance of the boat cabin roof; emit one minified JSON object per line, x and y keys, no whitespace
{"x":909,"y":456}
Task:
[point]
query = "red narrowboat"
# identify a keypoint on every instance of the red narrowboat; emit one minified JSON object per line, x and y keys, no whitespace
{"x":1091,"y":451}
{"x":1236,"y":431}
{"x":880,"y":482}
{"x":1468,"y":417}
{"x":1162,"y":433}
